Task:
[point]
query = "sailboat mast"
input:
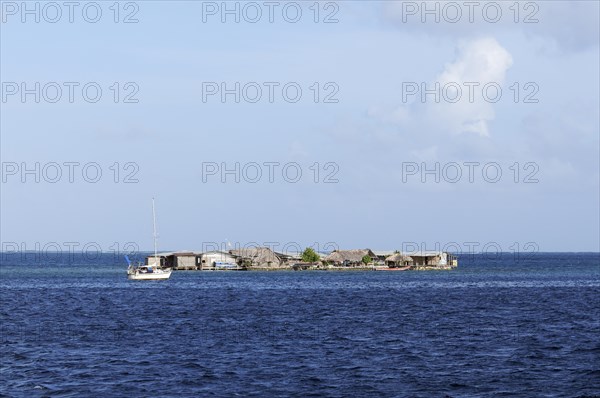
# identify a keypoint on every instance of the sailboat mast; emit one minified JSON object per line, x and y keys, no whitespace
{"x":154,"y":225}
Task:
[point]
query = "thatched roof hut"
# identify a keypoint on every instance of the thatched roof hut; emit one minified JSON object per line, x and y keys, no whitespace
{"x":257,"y":256}
{"x":398,"y":259}
{"x":348,"y":257}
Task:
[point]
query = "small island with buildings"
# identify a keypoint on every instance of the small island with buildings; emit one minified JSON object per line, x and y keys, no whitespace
{"x":266,"y":259}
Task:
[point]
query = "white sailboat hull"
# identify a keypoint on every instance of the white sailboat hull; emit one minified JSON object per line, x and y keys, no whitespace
{"x":149,"y":276}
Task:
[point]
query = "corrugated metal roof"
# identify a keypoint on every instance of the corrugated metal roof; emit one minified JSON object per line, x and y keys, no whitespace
{"x":424,"y":253}
{"x":223,"y":252}
{"x":177,"y":253}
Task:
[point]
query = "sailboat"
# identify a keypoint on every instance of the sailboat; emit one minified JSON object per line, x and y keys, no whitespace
{"x":152,"y":271}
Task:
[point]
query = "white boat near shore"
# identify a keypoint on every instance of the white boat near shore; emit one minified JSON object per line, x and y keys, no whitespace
{"x":148,"y":272}
{"x":152,"y":271}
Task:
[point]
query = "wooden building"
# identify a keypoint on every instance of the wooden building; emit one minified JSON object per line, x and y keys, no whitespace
{"x":183,"y":260}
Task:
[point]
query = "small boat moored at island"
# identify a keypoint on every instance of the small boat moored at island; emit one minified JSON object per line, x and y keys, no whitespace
{"x":386,"y":268}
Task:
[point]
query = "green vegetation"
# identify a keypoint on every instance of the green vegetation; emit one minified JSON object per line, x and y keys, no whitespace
{"x":309,"y":255}
{"x":366,"y":259}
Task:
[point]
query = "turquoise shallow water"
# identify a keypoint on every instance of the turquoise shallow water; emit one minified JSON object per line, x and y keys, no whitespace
{"x":498,"y":325}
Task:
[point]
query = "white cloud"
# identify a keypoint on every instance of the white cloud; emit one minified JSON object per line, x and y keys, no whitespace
{"x":481,"y":61}
{"x":459,"y":107}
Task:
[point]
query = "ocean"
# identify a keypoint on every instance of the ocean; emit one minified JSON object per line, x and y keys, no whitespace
{"x":498,"y":325}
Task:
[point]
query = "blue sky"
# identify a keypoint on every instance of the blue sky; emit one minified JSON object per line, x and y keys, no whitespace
{"x":370,"y":135}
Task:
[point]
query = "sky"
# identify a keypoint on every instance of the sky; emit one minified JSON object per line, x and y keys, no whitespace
{"x":345,"y":124}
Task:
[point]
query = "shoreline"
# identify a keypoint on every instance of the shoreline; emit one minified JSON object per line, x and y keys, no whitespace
{"x":324,"y":269}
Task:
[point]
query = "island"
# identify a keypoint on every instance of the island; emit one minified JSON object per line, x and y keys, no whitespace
{"x":266,"y":259}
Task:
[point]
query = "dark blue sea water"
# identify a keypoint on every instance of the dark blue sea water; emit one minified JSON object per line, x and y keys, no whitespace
{"x":500,"y":326}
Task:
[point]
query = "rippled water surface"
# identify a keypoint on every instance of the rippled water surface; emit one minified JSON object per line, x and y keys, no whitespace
{"x":502,"y":326}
